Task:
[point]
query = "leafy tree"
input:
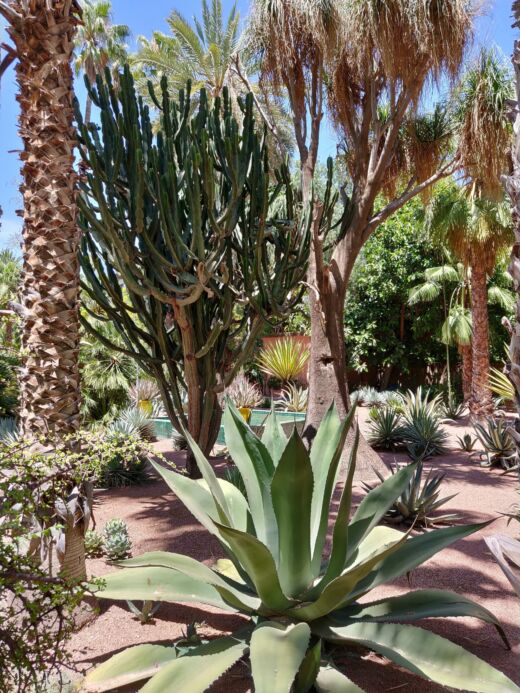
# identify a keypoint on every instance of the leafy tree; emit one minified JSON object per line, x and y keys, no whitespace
{"x":10,"y":277}
{"x":382,"y":331}
{"x":364,"y":52}
{"x":99,"y":43}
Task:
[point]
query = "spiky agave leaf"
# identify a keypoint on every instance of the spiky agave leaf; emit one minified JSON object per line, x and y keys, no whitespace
{"x":296,"y":595}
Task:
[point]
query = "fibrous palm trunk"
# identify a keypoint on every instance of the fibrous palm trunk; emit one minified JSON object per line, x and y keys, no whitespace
{"x":43,"y":38}
{"x":466,"y":353}
{"x":512,"y":184}
{"x":481,"y":403}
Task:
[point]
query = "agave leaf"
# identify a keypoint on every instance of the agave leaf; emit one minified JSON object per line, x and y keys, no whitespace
{"x":256,"y":467}
{"x":374,"y":506}
{"x":425,"y":654}
{"x":134,"y":664}
{"x":258,"y":562}
{"x":209,"y":477}
{"x":331,"y":680}
{"x":199,"y":669}
{"x":230,"y":590}
{"x":414,"y":606}
{"x":325,"y":457}
{"x":238,"y":507}
{"x":276,"y":653}
{"x":159,"y":584}
{"x":338,"y":590}
{"x":412,"y":553}
{"x":500,"y":545}
{"x":341,"y":525}
{"x":274,"y":437}
{"x":309,"y":668}
{"x":292,"y":511}
{"x":379,"y":536}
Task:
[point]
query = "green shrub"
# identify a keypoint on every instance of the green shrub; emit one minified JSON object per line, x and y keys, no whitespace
{"x":418,"y":500}
{"x":386,"y":430}
{"x":116,"y":540}
{"x":294,"y":398}
{"x":134,"y":422}
{"x":9,"y":392}
{"x":296,"y":597}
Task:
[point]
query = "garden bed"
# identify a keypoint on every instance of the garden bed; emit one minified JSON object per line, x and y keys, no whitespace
{"x":158,"y":521}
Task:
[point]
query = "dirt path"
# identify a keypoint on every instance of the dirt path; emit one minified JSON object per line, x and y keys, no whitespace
{"x":157,"y":520}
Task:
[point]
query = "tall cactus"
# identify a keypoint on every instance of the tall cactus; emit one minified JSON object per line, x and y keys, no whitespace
{"x":181,"y":249}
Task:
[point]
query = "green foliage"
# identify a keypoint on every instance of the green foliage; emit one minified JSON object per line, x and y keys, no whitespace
{"x":418,"y":500}
{"x":466,"y":442}
{"x":94,"y":544}
{"x":9,"y":392}
{"x":293,"y":398}
{"x":295,"y":596}
{"x":382,"y":330}
{"x":283,"y":359}
{"x":116,"y":540}
{"x":181,"y":250}
{"x":146,"y":612}
{"x":452,"y":409}
{"x":499,"y":446}
{"x":500,"y":385}
{"x":36,"y":609}
{"x":386,"y":429}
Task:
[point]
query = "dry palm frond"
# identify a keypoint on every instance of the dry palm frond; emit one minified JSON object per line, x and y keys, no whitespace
{"x":291,"y":34}
{"x":407,"y":34}
{"x":484,"y":127}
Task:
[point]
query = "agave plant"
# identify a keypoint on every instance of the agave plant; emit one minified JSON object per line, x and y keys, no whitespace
{"x":294,"y":398}
{"x":418,"y":500}
{"x":422,"y":431}
{"x":134,"y":421}
{"x":296,"y":596}
{"x":466,"y":442}
{"x":453,"y":410}
{"x":499,"y":446}
{"x":507,"y":554}
{"x":284,"y":360}
{"x":143,"y":394}
{"x":386,"y":429}
{"x":244,"y":393}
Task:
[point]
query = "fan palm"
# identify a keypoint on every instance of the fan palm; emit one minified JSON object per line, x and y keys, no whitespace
{"x":476,"y":229}
{"x":99,"y":43}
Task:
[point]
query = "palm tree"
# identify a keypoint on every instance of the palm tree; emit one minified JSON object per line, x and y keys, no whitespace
{"x":42,"y":35}
{"x":476,"y":230}
{"x":99,"y":44}
{"x":453,"y":278}
{"x":205,"y":52}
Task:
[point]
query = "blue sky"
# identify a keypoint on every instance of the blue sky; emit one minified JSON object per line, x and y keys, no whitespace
{"x":143,"y":18}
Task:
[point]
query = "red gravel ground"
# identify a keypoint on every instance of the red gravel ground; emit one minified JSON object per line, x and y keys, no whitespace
{"x":158,"y":521}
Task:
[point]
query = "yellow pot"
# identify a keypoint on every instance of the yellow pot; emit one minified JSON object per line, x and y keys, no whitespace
{"x":146,"y":406}
{"x":246,"y":413}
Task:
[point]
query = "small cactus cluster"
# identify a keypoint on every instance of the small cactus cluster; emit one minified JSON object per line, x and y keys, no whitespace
{"x":117,"y":541}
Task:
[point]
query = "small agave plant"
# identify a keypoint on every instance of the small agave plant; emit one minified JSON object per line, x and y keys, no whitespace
{"x":300,"y":600}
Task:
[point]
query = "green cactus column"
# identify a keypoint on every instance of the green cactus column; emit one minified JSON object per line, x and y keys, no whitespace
{"x":182,"y":250}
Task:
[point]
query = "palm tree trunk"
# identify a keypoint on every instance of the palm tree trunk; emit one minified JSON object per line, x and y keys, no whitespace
{"x":466,"y":353}
{"x":49,"y":379}
{"x":481,"y":403}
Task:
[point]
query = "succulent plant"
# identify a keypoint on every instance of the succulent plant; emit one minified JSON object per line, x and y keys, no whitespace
{"x":244,"y":393}
{"x":94,"y":544}
{"x":418,"y":500}
{"x":507,"y":554}
{"x":133,"y":421}
{"x":117,"y":540}
{"x":453,"y":410}
{"x":422,"y":431}
{"x":386,"y":429}
{"x":179,"y":440}
{"x":295,"y":595}
{"x":294,"y":398}
{"x":284,"y":360}
{"x":499,"y":446}
{"x":466,"y":442}
{"x":146,"y":612}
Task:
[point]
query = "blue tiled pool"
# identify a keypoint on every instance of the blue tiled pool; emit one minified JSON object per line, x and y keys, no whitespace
{"x":164,"y":428}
